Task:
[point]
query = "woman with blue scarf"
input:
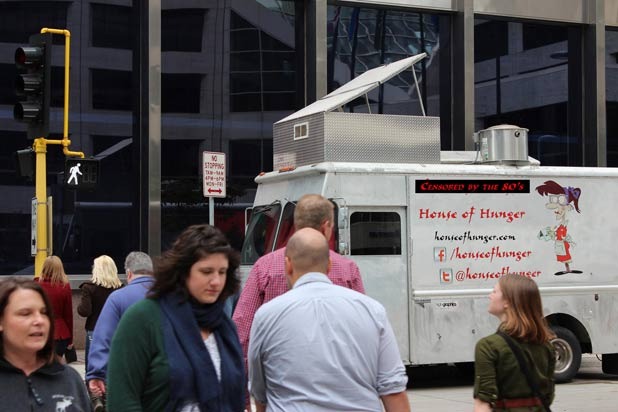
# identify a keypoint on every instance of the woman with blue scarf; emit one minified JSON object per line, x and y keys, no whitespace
{"x":177,"y":350}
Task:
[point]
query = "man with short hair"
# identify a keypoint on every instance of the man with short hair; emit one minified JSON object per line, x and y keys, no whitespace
{"x":267,"y":278}
{"x":138,"y":267}
{"x":322,"y":347}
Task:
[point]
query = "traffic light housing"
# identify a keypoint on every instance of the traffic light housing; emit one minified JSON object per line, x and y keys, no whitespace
{"x":33,"y":84}
{"x":25,"y":162}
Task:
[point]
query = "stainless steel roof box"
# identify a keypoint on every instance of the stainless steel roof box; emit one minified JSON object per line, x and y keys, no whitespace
{"x":317,"y":134}
{"x":504,"y":143}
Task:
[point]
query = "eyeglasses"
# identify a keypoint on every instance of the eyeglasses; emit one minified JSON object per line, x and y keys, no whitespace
{"x":560,"y":199}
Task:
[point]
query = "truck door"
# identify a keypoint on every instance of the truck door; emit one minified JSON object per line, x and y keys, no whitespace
{"x":378,"y":245}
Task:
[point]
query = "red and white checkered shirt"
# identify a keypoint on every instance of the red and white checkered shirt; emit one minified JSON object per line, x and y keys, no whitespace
{"x":267,"y":280}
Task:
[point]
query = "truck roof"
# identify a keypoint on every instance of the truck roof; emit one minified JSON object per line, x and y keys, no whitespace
{"x":453,"y":163}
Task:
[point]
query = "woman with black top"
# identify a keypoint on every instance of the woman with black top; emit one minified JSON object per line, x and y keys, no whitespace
{"x":95,"y":292}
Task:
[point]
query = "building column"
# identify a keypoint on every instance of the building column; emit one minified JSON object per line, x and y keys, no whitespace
{"x":147,"y":126}
{"x":463,"y":76}
{"x":595,"y":128}
{"x":316,"y":13}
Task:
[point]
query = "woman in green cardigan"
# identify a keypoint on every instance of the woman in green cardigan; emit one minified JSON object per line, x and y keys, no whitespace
{"x":177,"y":350}
{"x":499,"y":383}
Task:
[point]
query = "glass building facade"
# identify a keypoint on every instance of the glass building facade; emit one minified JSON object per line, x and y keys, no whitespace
{"x":154,"y":84}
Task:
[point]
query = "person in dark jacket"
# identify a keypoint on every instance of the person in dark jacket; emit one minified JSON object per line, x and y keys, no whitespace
{"x":499,"y":383}
{"x":178,"y":350}
{"x":31,"y":377}
{"x":55,"y":283}
{"x":95,"y":292}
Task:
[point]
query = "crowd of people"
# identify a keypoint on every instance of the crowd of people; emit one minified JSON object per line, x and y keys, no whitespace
{"x":303,"y":335}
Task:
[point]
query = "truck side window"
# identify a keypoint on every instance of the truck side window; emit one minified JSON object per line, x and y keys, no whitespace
{"x":286,"y":227}
{"x":260,"y":233}
{"x":375,"y":233}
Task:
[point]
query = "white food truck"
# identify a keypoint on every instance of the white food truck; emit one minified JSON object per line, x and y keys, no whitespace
{"x":433,"y":231}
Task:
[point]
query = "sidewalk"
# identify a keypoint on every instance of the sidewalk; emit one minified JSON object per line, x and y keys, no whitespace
{"x":80,"y":365}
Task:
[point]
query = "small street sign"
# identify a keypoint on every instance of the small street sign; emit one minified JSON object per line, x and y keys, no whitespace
{"x":213,"y":168}
{"x":81,"y":173}
{"x":33,"y":227}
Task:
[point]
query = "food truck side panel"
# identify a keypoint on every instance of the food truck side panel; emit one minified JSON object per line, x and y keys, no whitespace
{"x":468,"y":231}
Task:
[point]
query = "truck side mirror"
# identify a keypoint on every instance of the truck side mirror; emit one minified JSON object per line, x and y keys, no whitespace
{"x":342,"y":217}
{"x":248,"y":213}
{"x":343,"y":228}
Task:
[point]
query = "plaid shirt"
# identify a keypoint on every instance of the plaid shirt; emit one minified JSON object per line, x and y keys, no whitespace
{"x":267,"y":280}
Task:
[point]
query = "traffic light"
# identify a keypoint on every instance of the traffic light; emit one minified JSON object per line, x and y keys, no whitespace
{"x":32,"y":84}
{"x":81,"y":173}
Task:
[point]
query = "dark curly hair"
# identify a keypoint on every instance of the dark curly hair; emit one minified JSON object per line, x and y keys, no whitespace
{"x":7,"y":287}
{"x":193,"y":244}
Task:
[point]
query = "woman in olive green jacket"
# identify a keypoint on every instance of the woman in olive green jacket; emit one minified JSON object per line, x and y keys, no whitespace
{"x":499,"y":383}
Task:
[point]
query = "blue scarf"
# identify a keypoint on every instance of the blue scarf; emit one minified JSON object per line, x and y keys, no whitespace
{"x":192,"y":372}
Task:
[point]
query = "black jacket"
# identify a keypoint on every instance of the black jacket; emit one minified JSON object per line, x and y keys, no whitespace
{"x":92,"y":301}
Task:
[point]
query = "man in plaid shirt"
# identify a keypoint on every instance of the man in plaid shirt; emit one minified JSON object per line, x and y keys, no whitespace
{"x":267,"y":278}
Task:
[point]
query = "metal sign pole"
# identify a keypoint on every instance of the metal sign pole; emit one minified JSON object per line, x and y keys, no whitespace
{"x":211,"y":211}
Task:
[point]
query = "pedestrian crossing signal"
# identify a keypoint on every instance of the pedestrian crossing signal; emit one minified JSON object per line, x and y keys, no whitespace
{"x":81,"y":173}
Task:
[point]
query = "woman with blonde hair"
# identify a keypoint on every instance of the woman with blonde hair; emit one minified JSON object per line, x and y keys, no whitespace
{"x":95,"y":292}
{"x":55,"y":282}
{"x":514,"y":367}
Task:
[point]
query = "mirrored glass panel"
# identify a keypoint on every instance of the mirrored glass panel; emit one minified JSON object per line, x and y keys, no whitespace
{"x":86,"y":223}
{"x":528,"y":74}
{"x":611,"y":95}
{"x":229,"y":71}
{"x":360,"y":39}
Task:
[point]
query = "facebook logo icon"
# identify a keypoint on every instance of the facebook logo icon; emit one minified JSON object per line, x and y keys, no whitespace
{"x":439,"y":254}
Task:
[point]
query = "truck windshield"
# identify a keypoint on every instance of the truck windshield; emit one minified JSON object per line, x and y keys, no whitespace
{"x":261,"y":232}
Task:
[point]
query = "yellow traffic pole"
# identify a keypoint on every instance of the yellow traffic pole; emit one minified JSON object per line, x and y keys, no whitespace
{"x":40,"y":148}
{"x":65,"y":142}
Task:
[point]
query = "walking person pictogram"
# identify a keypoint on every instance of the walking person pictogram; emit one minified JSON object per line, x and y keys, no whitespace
{"x":74,"y":172}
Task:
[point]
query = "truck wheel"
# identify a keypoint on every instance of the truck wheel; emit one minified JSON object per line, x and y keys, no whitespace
{"x":568,"y":354}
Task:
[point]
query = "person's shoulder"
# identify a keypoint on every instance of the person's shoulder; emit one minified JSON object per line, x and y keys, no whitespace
{"x":71,"y":374}
{"x":123,"y":290}
{"x":494,"y":341}
{"x":268,"y":258}
{"x":372,"y":304}
{"x":276,"y":304}
{"x":145,"y":311}
{"x":340,"y":260}
{"x":88,"y":285}
{"x":143,"y":307}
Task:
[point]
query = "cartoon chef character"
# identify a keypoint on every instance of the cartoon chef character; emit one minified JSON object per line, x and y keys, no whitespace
{"x":561,"y":200}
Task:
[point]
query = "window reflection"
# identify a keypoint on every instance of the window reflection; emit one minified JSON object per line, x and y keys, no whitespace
{"x":611,"y":95}
{"x":360,"y":39}
{"x":111,"y":26}
{"x":231,"y":75}
{"x":262,"y":68}
{"x":375,"y":233}
{"x":524,"y":79}
{"x":85,"y":223}
{"x":181,"y":29}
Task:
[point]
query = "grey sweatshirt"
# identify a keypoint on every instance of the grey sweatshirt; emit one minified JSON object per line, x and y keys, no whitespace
{"x":53,"y":388}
